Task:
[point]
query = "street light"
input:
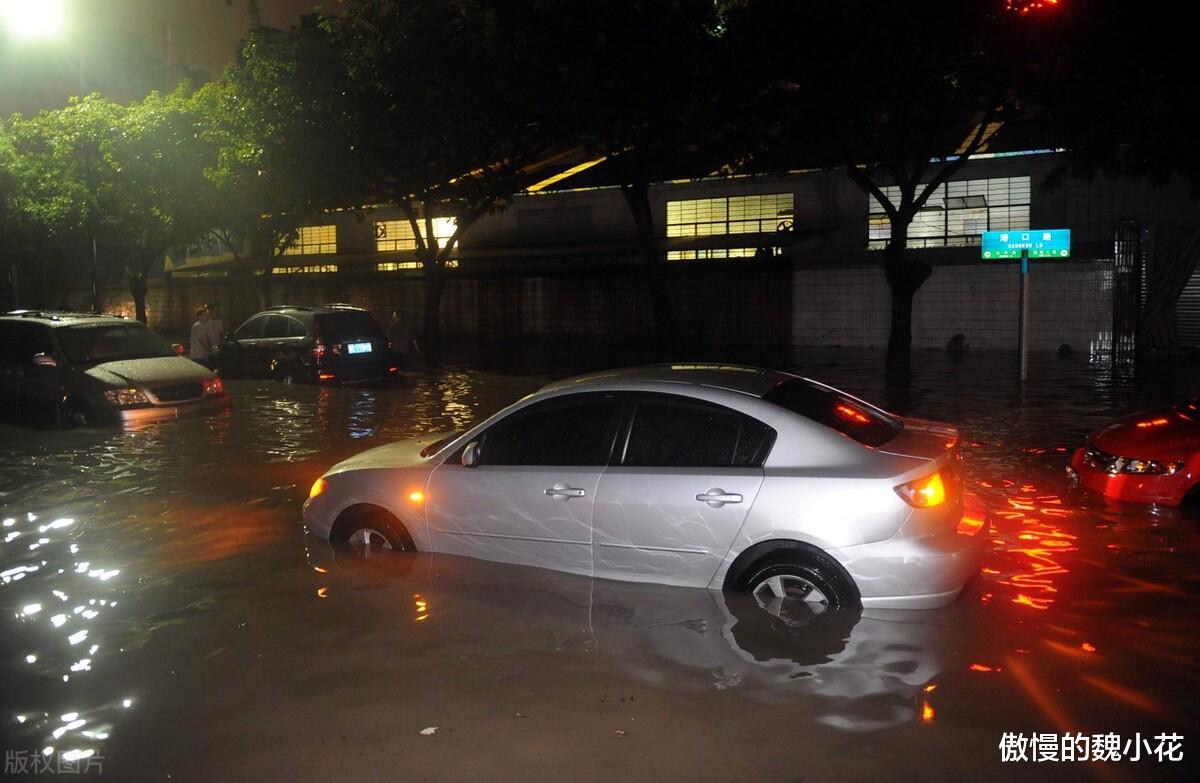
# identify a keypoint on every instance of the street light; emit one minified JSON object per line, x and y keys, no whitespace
{"x":34,"y":19}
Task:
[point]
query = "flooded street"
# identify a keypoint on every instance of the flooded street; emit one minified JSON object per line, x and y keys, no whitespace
{"x":166,"y":617}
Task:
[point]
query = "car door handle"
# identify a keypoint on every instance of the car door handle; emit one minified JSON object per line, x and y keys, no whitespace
{"x":562,"y":491}
{"x":717,"y":497}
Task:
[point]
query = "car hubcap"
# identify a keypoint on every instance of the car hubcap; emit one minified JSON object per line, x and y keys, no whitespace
{"x":369,"y":538}
{"x":775,"y":590}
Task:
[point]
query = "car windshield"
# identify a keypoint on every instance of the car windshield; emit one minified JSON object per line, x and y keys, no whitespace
{"x":830,"y":407}
{"x":348,"y":326}
{"x":111,"y":342}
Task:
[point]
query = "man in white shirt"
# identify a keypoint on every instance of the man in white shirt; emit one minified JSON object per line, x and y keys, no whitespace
{"x":201,"y":346}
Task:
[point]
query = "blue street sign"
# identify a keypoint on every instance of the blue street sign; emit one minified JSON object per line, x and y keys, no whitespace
{"x":1037,"y":243}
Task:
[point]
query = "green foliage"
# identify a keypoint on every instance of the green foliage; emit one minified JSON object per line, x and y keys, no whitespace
{"x":152,"y":171}
{"x":124,"y":175}
{"x":273,"y":166}
{"x":439,"y":107}
{"x":646,"y":83}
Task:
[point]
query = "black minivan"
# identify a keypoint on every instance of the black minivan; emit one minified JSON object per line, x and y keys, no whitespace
{"x":332,"y":344}
{"x":68,"y":369}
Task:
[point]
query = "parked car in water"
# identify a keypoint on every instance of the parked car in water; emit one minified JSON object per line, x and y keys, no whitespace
{"x":1151,"y":457}
{"x":697,"y":475}
{"x":78,"y":369}
{"x":333,"y":343}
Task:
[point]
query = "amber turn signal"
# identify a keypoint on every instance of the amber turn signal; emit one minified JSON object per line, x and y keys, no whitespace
{"x":925,"y":492}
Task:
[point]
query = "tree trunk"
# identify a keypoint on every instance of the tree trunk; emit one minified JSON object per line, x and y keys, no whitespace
{"x":264,"y":286}
{"x":904,"y":276}
{"x":435,"y":284}
{"x":137,"y":288}
{"x":638,"y":198}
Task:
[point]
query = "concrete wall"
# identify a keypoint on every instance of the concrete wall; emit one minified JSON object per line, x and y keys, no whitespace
{"x":1069,"y":303}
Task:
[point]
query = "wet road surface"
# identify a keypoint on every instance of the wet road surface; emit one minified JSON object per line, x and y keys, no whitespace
{"x":164,"y":615}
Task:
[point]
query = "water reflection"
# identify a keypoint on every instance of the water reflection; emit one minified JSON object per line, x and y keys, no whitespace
{"x":130,"y":558}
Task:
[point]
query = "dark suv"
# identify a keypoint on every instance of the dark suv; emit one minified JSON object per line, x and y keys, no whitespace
{"x":332,"y":343}
{"x":73,"y":369}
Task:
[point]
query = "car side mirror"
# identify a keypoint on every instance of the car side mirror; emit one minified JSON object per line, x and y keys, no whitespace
{"x":44,"y":360}
{"x":177,"y":348}
{"x":470,"y":455}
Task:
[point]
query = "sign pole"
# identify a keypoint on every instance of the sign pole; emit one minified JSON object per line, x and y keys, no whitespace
{"x":1023,"y":323}
{"x":1025,"y":244}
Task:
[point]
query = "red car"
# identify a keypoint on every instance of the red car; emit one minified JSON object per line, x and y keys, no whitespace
{"x":1144,"y":458}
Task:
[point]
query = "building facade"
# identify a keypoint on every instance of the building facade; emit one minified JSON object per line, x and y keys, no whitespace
{"x":752,"y":263}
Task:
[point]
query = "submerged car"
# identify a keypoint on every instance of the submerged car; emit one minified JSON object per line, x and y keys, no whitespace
{"x":1149,"y":458}
{"x":332,"y":344}
{"x":723,"y":477}
{"x":77,"y":369}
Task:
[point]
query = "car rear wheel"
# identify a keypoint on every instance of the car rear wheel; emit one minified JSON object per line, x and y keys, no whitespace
{"x":789,"y":580}
{"x":75,"y":414}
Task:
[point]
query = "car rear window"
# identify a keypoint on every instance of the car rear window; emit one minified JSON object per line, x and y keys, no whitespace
{"x":835,"y":410}
{"x":105,"y":343}
{"x":348,"y":327}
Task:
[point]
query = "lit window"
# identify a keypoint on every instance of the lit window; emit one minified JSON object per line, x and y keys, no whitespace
{"x":314,"y":240}
{"x":312,"y":269}
{"x":732,"y":215}
{"x":706,"y":254}
{"x":398,"y":234}
{"x":956,"y":213}
{"x":397,"y":266}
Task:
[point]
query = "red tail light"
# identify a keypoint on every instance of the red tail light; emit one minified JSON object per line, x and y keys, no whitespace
{"x":214,"y":386}
{"x":318,"y":349}
{"x":925,"y":492}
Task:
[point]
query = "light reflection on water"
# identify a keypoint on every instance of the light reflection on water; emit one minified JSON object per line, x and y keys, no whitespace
{"x":192,"y":525}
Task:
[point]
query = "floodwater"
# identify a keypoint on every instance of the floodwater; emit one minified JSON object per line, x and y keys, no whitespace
{"x":164,"y":616}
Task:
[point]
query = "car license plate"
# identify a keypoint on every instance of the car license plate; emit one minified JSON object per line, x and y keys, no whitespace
{"x":353,"y":348}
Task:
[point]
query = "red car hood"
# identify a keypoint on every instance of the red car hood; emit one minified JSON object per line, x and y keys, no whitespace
{"x":1161,"y":435}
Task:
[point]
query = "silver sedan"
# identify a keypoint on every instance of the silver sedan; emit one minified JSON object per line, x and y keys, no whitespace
{"x":714,"y":476}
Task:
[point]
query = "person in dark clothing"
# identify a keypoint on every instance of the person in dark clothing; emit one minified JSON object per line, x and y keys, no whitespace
{"x":402,"y":338}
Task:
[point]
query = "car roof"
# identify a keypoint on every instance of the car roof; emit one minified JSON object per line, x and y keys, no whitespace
{"x":335,"y":307}
{"x":755,"y":381}
{"x":62,"y":318}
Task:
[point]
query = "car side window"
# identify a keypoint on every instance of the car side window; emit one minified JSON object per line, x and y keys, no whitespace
{"x":684,"y":433}
{"x":11,"y":349}
{"x":37,"y":340}
{"x":277,"y":326}
{"x":252,"y":329}
{"x":19,"y":342}
{"x":295,"y":328}
{"x":569,"y":432}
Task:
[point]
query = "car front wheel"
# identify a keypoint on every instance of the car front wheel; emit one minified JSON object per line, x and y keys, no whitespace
{"x":371,"y":530}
